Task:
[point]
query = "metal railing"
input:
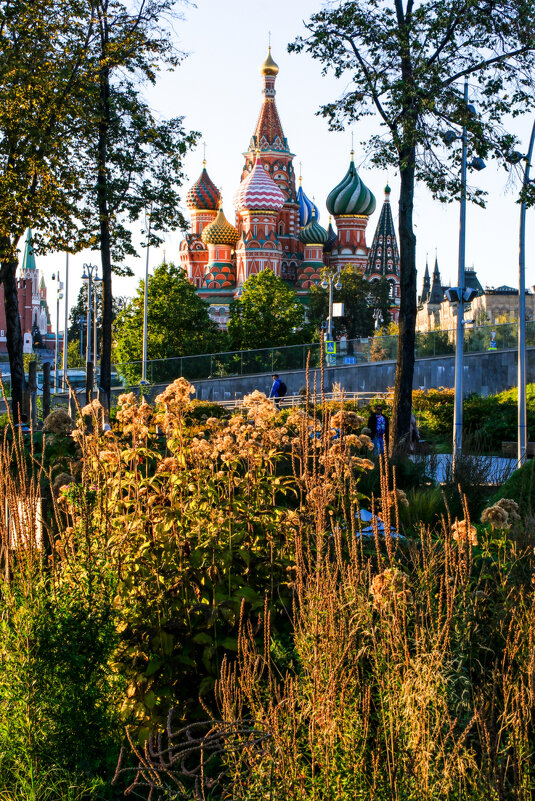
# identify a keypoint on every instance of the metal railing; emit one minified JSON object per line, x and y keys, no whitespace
{"x":294,"y":357}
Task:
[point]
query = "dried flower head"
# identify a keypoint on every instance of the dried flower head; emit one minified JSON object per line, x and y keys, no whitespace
{"x":496,"y":516}
{"x":511,"y":507}
{"x":60,"y":481}
{"x":345,"y":420}
{"x":390,"y":586}
{"x":463,"y":531}
{"x":58,"y":422}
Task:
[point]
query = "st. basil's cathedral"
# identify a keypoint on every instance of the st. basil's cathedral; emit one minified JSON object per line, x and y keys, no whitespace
{"x":277,"y":226}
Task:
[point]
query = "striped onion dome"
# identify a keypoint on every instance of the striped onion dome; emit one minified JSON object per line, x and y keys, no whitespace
{"x":258,"y":191}
{"x":220,"y":232}
{"x":306,"y":207}
{"x":313,"y":233}
{"x":351,"y":196}
{"x":332,"y":237}
{"x":204,"y":194}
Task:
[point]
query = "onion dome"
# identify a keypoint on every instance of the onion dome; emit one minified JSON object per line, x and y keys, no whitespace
{"x":220,"y":232}
{"x":258,"y":191}
{"x":387,"y":192}
{"x":306,"y":208}
{"x":204,"y":194}
{"x":313,"y":233}
{"x":269,"y":67}
{"x":333,"y":236}
{"x":351,"y":196}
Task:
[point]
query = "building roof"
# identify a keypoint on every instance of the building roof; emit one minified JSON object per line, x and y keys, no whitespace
{"x":204,"y":194}
{"x":268,"y":133}
{"x":351,"y":196}
{"x":306,"y":208}
{"x":472,"y":281}
{"x":28,"y":258}
{"x":313,"y":233}
{"x":426,"y":287}
{"x":258,"y":191}
{"x":269,"y":67}
{"x":383,"y":257}
{"x":333,"y":236}
{"x":437,"y":292}
{"x":220,"y":232}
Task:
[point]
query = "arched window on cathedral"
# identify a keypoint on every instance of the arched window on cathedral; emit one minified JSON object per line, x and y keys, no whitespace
{"x":281,"y":229}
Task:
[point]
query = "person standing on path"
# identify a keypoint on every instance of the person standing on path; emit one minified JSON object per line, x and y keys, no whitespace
{"x":378,"y":425}
{"x":275,"y":390}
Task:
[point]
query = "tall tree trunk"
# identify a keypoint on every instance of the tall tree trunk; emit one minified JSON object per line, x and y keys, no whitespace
{"x":407,"y":309}
{"x":105,"y":242}
{"x":15,"y":343}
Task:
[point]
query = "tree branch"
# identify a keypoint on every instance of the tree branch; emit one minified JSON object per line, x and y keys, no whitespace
{"x":367,"y":75}
{"x":486,"y":63}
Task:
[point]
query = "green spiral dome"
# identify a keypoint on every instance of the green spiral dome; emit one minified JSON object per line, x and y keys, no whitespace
{"x":313,"y":233}
{"x":351,"y":196}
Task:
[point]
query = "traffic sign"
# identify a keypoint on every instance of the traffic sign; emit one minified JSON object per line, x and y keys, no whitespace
{"x":330,"y":347}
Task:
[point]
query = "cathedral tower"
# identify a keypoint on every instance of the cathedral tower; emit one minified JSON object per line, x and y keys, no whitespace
{"x":203,"y":201}
{"x":258,"y":202}
{"x":383,"y":258}
{"x":350,"y":203}
{"x":269,"y":140}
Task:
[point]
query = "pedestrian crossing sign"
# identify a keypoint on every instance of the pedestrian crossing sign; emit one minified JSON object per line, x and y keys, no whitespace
{"x":330,"y":347}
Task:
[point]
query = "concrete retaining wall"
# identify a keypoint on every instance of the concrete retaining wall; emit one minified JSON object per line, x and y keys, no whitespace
{"x":485,"y":373}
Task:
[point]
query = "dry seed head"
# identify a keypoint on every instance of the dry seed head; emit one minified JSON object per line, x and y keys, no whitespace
{"x":496,"y":516}
{"x":463,"y":531}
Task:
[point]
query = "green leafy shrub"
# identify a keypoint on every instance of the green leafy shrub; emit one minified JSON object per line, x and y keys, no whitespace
{"x":520,"y":487}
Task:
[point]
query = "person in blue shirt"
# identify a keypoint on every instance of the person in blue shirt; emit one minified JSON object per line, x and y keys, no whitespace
{"x":378,"y":425}
{"x":275,"y":390}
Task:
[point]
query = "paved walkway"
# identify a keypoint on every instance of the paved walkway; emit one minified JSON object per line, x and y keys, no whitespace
{"x":493,"y":469}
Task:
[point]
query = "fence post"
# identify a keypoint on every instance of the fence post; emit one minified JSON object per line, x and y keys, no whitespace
{"x":32,"y":387}
{"x":46,"y":390}
{"x":89,"y":382}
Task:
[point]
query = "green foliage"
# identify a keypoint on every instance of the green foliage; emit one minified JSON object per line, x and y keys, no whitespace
{"x":417,"y":54}
{"x":201,"y":410}
{"x":267,"y":314}
{"x":59,"y":730}
{"x":359,"y":297}
{"x":520,"y":487}
{"x":178,"y":323}
{"x":489,"y":419}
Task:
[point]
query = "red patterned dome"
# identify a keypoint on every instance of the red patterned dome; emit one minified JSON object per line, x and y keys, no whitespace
{"x":204,"y":194}
{"x":258,"y":191}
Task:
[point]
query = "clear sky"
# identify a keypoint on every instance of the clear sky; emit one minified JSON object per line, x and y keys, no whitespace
{"x":218,"y":89}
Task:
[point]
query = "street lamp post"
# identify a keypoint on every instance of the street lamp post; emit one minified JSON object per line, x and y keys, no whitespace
{"x":328,"y":283}
{"x":66,"y":325}
{"x":145,"y":305}
{"x":460,"y":294}
{"x":89,"y":275}
{"x":59,"y":296}
{"x":522,"y":413}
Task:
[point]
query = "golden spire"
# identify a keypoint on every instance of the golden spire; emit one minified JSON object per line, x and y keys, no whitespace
{"x":269,"y":67}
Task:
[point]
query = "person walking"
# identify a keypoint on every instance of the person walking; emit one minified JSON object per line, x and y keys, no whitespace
{"x":378,"y":425}
{"x":276,"y":390}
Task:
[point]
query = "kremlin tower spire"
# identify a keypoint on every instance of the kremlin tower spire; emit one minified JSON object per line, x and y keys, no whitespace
{"x":426,"y":288}
{"x":383,"y":258}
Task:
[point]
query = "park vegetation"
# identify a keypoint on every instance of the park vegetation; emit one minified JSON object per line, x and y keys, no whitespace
{"x":199,"y":596}
{"x":405,"y":62}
